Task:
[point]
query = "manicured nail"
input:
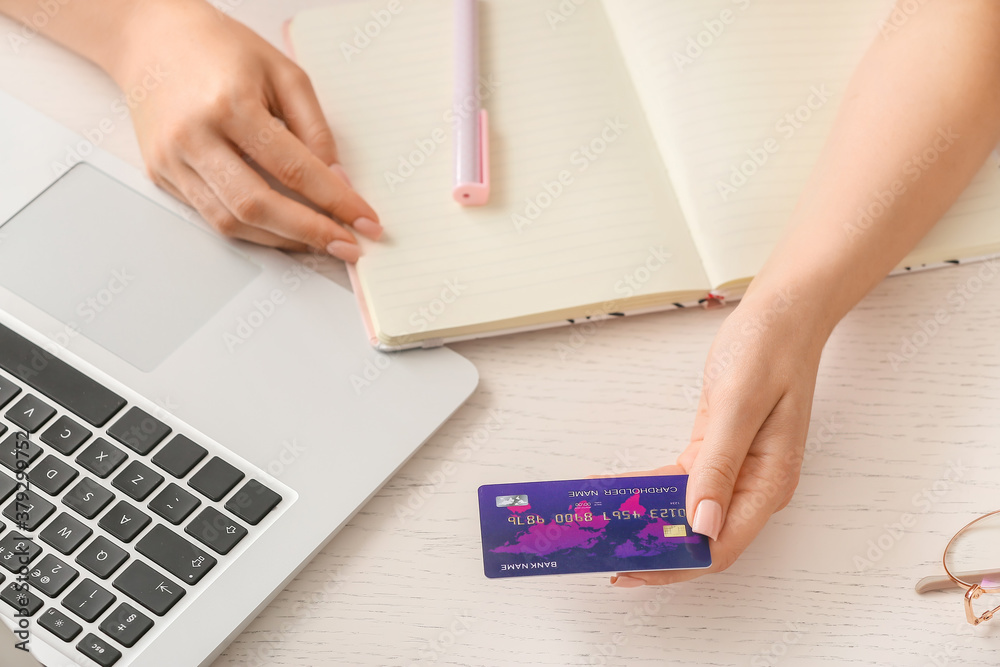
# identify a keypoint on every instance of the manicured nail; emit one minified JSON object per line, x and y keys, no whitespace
{"x":625,"y":581}
{"x":708,"y":519}
{"x":339,"y":171}
{"x":349,"y":252}
{"x":369,"y":228}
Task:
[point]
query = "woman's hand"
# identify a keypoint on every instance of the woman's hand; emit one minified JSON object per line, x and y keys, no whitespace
{"x":224,"y":97}
{"x":749,"y":435}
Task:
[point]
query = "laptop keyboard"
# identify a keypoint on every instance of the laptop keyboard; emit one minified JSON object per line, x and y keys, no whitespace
{"x":116,"y":515}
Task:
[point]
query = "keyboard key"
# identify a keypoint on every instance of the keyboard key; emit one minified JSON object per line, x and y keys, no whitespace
{"x":175,"y":554}
{"x":28,"y":509}
{"x":98,"y":650}
{"x":18,"y":596}
{"x":102,"y":557}
{"x":16,"y":550}
{"x":215,"y":479}
{"x":126,"y":625}
{"x":253,"y":502}
{"x":124,"y":521}
{"x":56,"y":379}
{"x":137,"y":481}
{"x":174,"y":504}
{"x":30,"y":413}
{"x":59,"y":624}
{"x":52,"y":475}
{"x":139,"y":431}
{"x":7,"y":486}
{"x":51,"y":576}
{"x":64,"y":533}
{"x":149,"y":588}
{"x":88,"y":498}
{"x":65,"y":435}
{"x":88,"y":600}
{"x":217,"y":530}
{"x":101,"y":457}
{"x":179,"y":456}
{"x":17,"y":452}
{"x":8,"y":390}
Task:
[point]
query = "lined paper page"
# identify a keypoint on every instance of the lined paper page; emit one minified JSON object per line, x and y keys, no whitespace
{"x":716,"y":90}
{"x":562,"y":108}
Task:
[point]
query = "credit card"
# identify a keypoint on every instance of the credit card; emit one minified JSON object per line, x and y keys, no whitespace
{"x":615,"y":524}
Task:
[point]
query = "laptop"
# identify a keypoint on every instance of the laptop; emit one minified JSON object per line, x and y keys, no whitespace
{"x":185,"y":420}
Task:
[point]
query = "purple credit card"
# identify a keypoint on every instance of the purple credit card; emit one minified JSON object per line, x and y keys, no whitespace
{"x":621,"y":524}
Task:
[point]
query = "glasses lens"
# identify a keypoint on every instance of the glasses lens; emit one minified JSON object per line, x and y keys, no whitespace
{"x":974,"y":556}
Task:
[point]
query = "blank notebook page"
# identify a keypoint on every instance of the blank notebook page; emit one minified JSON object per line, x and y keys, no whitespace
{"x":560,"y":103}
{"x":729,"y":97}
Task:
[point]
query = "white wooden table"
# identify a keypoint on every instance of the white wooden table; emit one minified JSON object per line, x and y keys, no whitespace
{"x":402,"y":584}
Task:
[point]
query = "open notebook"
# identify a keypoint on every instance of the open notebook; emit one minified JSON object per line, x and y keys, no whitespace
{"x":620,"y":133}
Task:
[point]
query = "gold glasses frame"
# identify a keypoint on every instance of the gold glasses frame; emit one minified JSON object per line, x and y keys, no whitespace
{"x":973,"y":589}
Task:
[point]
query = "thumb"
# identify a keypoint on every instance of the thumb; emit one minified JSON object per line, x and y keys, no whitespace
{"x":712,"y":475}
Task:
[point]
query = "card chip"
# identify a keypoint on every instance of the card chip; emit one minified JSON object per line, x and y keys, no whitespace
{"x":677,"y":530}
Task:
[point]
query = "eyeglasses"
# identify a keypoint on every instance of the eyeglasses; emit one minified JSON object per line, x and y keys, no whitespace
{"x":970,"y":562}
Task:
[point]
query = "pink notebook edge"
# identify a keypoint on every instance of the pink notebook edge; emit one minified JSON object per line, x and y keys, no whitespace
{"x":366,"y":318}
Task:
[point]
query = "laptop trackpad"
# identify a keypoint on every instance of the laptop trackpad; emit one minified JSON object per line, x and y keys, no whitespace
{"x":127,"y":273}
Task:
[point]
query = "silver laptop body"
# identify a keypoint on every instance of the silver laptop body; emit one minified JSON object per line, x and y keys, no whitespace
{"x":253,"y":356}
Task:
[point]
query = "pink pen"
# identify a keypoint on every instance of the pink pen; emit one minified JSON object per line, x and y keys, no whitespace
{"x":472,"y":155}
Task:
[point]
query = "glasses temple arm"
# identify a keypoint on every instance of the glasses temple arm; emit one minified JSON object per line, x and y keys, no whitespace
{"x":943,"y":582}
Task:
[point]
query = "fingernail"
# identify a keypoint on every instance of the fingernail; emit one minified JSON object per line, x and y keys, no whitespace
{"x":349,"y":252}
{"x":339,"y":171}
{"x":369,"y":228}
{"x":625,"y":581}
{"x":708,"y":519}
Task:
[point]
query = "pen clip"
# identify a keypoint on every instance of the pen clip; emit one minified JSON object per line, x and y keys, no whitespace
{"x":477,"y":194}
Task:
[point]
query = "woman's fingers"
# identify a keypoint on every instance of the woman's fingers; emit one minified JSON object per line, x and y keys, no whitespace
{"x":766,"y":480}
{"x":287,"y":159}
{"x":186,"y":185}
{"x":301,"y":111}
{"x":733,"y":539}
{"x":247,"y":196}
